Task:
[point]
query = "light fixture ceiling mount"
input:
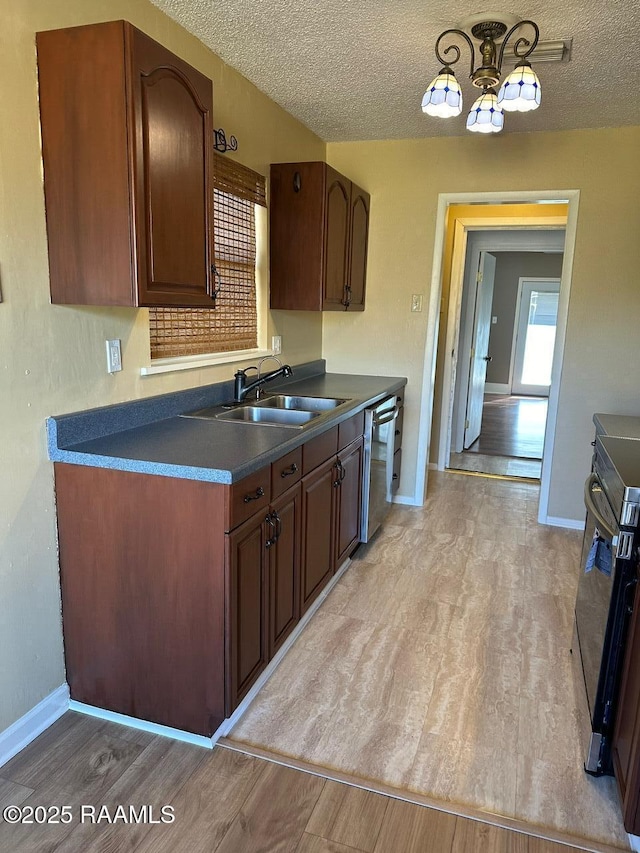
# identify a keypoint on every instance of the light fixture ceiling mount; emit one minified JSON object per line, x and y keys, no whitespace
{"x":520,"y":91}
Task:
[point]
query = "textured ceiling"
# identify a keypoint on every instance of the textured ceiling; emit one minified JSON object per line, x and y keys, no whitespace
{"x":357,"y":69}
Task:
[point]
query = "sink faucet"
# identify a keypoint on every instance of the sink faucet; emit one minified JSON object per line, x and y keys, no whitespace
{"x":242,"y":389}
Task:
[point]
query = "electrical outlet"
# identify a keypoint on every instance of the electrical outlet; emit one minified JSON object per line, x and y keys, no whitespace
{"x":416,"y":302}
{"x":494,"y":320}
{"x":114,"y":356}
{"x":276,"y":344}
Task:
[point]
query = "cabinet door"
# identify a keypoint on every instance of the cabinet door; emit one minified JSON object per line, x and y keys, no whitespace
{"x":337,"y":202}
{"x":284,"y":567}
{"x":318,"y":490}
{"x":626,"y":737}
{"x":172,"y":106}
{"x":349,"y":501}
{"x":296,"y":235}
{"x":358,"y":242}
{"x":247,"y":640}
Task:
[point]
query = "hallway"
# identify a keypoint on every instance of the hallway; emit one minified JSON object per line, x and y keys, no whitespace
{"x":511,"y":440}
{"x":440,"y":664}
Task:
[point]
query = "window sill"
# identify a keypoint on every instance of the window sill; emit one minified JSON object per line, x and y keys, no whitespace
{"x":193,"y":362}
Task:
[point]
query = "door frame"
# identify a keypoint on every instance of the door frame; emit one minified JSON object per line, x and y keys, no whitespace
{"x":519,"y":237}
{"x":516,"y":319}
{"x":572,"y":199}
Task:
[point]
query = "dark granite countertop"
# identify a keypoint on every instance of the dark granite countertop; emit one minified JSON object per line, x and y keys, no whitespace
{"x":165,"y":444}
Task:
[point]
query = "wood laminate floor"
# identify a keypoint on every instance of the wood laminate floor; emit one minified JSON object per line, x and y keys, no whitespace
{"x":512,"y":426}
{"x":221,"y":800}
{"x":440,"y":664}
{"x":512,"y":438}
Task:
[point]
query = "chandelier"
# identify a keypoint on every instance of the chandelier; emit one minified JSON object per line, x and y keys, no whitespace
{"x":520,"y":91}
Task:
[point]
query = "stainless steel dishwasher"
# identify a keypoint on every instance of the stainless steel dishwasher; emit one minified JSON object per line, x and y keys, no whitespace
{"x":377,"y":493}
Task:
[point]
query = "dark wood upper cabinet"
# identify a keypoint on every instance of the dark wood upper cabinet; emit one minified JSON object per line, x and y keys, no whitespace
{"x":359,"y":241}
{"x":336,"y":253}
{"x":127,"y":137}
{"x":319,"y":224}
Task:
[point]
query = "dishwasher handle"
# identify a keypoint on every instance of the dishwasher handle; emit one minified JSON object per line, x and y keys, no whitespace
{"x":385,"y":416}
{"x":589,"y":502}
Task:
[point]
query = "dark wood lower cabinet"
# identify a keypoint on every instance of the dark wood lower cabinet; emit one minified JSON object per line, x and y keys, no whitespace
{"x":348,"y":497}
{"x":247,"y":596}
{"x":331,"y":502}
{"x":142,"y":576}
{"x":263,"y":563}
{"x":626,"y":737}
{"x":317,"y":530}
{"x":177,"y":593}
{"x":284,"y":569}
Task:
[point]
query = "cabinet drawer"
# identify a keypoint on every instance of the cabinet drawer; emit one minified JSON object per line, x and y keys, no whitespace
{"x":248,"y":496}
{"x":349,"y":430}
{"x":397,"y":431}
{"x":319,"y":449}
{"x":286,"y":472}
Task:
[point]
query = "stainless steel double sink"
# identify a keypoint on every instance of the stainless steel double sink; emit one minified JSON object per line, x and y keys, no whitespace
{"x":282,"y":410}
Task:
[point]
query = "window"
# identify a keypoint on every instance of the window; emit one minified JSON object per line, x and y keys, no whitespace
{"x":233,"y":324}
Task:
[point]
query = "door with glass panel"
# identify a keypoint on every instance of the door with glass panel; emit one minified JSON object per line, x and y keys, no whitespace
{"x":535,"y":336}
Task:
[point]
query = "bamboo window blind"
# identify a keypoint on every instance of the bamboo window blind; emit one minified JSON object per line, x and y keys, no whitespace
{"x":233,"y":323}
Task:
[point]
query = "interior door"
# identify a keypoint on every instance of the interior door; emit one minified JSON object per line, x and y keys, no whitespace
{"x":536,"y":322}
{"x":479,"y":348}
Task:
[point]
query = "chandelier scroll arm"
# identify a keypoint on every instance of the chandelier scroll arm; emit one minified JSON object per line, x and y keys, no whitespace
{"x":454,"y":47}
{"x":521,"y":42}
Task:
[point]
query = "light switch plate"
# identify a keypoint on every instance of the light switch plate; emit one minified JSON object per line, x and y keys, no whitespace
{"x":416,"y":302}
{"x":114,"y":356}
{"x":276,"y":344}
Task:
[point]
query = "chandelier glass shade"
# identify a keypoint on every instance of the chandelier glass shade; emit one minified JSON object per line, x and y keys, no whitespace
{"x":485,"y":116}
{"x":520,"y":91}
{"x":443,"y":98}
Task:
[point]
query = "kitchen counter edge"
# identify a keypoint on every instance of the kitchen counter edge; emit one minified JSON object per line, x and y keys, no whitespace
{"x":175,"y":447}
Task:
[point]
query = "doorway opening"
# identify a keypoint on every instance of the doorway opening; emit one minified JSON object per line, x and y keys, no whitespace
{"x":458,"y":215}
{"x":508,"y":322}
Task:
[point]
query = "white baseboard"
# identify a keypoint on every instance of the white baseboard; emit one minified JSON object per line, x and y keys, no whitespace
{"x":497,"y":388}
{"x":33,"y":723}
{"x":634,"y":841}
{"x":143,"y":725}
{"x":405,"y":500}
{"x":570,"y":523}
